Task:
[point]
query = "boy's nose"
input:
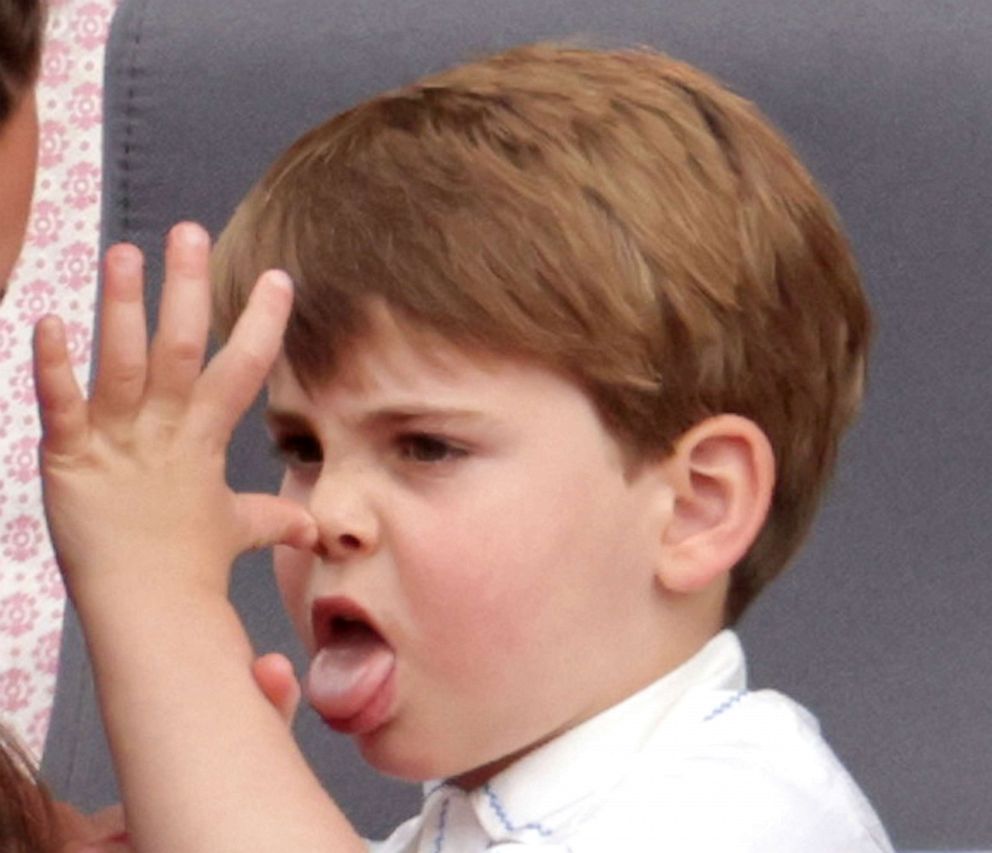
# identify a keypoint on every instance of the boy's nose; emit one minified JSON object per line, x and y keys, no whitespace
{"x":347,"y":524}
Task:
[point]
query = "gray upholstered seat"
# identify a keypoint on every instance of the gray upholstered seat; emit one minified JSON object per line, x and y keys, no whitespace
{"x":883,"y":625}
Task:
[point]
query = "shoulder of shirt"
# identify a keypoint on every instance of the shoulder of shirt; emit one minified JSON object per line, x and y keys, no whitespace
{"x":733,"y":771}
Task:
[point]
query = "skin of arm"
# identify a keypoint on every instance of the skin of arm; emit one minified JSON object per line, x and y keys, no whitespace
{"x":145,"y":529}
{"x":105,"y":831}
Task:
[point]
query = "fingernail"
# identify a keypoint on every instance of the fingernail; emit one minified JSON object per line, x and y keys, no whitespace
{"x":280,"y":278}
{"x":189,"y":234}
{"x":125,"y":257}
{"x":49,"y":328}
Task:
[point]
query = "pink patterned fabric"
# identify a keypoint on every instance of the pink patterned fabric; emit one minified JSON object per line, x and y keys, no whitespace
{"x":56,"y":273}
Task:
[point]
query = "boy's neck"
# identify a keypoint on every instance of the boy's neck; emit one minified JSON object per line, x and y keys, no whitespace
{"x":700,"y":619}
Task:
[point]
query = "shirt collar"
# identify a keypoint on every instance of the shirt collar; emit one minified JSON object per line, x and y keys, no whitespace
{"x":544,"y":790}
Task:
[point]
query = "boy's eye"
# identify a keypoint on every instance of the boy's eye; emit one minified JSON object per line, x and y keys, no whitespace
{"x":297,"y":450}
{"x":419,"y":447}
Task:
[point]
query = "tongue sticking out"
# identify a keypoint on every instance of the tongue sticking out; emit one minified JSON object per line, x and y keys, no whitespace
{"x":346,"y":673}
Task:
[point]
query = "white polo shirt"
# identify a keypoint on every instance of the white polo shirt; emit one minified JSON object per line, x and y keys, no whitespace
{"x":694,"y":762}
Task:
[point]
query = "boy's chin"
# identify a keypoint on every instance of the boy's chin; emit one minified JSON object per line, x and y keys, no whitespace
{"x":391,"y":756}
{"x":402,"y":759}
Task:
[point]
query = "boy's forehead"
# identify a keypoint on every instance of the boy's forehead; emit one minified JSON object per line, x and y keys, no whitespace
{"x":392,"y":352}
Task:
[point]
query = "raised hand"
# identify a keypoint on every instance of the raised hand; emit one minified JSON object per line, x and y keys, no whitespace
{"x":139,"y":467}
{"x":145,"y":529}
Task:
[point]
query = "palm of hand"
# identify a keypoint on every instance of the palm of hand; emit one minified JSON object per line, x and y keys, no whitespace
{"x":139,"y":467}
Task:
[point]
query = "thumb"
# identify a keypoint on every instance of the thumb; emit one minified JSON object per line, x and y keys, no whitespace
{"x":269,"y":520}
{"x":275,"y":678}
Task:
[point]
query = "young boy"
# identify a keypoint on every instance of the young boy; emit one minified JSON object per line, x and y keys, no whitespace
{"x":574,"y":339}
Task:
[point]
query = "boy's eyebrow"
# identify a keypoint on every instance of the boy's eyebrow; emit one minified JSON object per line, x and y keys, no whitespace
{"x":397,"y":415}
{"x":388,"y":416}
{"x":280,"y":419}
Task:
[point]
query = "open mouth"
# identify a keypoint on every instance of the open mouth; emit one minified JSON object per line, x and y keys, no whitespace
{"x":351,"y":672}
{"x":339,"y":621}
{"x":353,"y":636}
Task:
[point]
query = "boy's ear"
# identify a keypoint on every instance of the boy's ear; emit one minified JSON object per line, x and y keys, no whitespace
{"x":722,"y":474}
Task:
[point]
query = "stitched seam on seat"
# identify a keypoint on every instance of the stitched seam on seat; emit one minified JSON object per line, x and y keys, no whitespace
{"x":129,"y":117}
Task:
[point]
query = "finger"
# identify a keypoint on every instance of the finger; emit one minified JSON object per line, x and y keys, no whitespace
{"x":236,"y":374}
{"x":269,"y":520}
{"x":120,"y":377}
{"x":180,"y":341}
{"x":61,"y":406}
{"x":74,"y":827}
{"x":80,"y":833}
{"x":275,"y":678}
{"x":108,"y":824}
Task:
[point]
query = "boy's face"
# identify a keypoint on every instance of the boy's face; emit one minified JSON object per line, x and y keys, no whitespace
{"x":474,"y":511}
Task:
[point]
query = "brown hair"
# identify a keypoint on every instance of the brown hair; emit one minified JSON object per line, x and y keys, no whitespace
{"x":21,"y":26}
{"x":27,"y":818}
{"x":617,"y":215}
